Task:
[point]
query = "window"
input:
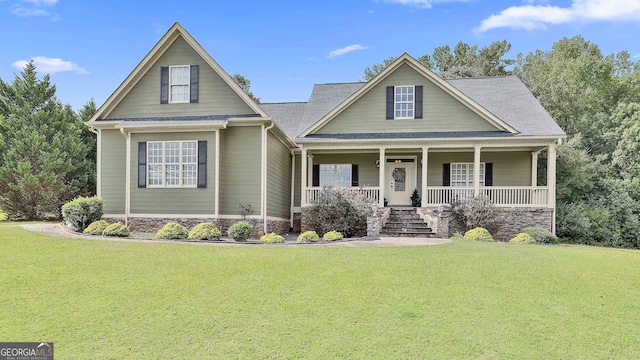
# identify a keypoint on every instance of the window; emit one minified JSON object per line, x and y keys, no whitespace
{"x":404,"y":102}
{"x":179,"y":84}
{"x":462,"y":174}
{"x":338,"y":175}
{"x":172,"y":163}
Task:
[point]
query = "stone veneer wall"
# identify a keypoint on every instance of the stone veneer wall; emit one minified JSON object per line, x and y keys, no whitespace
{"x":377,"y":221}
{"x":154,"y":224}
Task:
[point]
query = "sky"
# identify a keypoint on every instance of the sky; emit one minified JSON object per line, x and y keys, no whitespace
{"x":285,"y":47}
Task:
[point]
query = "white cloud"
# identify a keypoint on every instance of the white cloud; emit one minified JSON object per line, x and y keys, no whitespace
{"x":420,"y":3}
{"x":51,"y":65}
{"x":345,"y":50}
{"x":41,"y":2}
{"x":34,"y":8}
{"x":532,"y":17}
{"x":636,"y":56}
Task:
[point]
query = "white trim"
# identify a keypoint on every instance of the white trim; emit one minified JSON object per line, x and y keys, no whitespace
{"x":188,"y":84}
{"x":253,"y":217}
{"x":115,"y":216}
{"x":415,"y":172}
{"x":424,"y":168}
{"x":127,"y":204}
{"x":99,"y":163}
{"x":335,"y":174}
{"x":164,"y":164}
{"x":381,"y":177}
{"x":304,"y":162}
{"x":192,"y":216}
{"x":293,"y":186}
{"x":216,"y":201}
{"x":412,"y":102}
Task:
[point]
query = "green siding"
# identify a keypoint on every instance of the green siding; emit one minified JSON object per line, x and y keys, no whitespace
{"x":441,"y":111}
{"x":278,"y":178}
{"x":240,"y":176}
{"x":215,"y":96}
{"x":510,"y":168}
{"x":112,"y":169}
{"x":173,"y":200}
{"x":367,"y":170}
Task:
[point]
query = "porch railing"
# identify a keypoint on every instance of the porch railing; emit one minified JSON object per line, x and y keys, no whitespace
{"x":370,"y":192}
{"x":512,"y":196}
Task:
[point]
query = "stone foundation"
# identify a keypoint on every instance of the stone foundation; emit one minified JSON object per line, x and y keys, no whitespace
{"x":154,"y":224}
{"x":513,"y":220}
{"x":377,"y":221}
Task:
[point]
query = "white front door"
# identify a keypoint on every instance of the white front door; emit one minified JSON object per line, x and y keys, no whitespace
{"x":400,"y":181}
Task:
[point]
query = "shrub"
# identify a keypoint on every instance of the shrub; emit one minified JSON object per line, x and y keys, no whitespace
{"x":116,"y":229}
{"x":339,"y":209}
{"x":205,"y":231}
{"x":457,"y":236}
{"x":308,"y":236}
{"x":81,"y":211}
{"x":172,"y":231}
{"x":240,"y":231}
{"x":476,"y":212}
{"x":272,"y":238}
{"x":96,"y":227}
{"x":332,"y":236}
{"x":523,"y":238}
{"x":541,"y":235}
{"x":478,"y":234}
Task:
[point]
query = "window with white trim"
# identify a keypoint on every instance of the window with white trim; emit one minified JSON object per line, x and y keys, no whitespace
{"x":462,"y":174}
{"x":338,"y":175}
{"x":179,"y":79}
{"x":172,"y":163}
{"x":404,"y":102}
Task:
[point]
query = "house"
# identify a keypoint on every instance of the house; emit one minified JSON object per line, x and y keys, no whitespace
{"x":179,"y":140}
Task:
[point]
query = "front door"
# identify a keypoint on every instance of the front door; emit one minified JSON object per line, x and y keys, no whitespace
{"x":400,"y":181}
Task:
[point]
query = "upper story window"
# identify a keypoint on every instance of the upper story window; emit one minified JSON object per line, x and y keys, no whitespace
{"x":338,"y":175}
{"x":404,"y":102}
{"x":179,"y":79}
{"x":462,"y":174}
{"x":172,"y":163}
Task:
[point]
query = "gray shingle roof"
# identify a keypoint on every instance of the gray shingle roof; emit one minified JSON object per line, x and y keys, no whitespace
{"x":288,"y":115}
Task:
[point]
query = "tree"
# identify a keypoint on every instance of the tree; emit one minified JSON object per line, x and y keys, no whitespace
{"x":245,"y":84}
{"x":43,"y":158}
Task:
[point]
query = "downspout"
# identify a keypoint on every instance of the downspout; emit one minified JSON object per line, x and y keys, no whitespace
{"x":264,"y":175}
{"x":127,"y":194}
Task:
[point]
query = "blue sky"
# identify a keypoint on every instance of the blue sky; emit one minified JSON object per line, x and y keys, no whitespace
{"x":284,"y":47}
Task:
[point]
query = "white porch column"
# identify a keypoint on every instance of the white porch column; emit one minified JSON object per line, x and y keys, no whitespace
{"x":425,"y":163}
{"x":303,"y":181}
{"x":476,"y":171}
{"x":551,"y":182}
{"x":216,"y":180}
{"x":534,"y":168}
{"x":381,"y":180}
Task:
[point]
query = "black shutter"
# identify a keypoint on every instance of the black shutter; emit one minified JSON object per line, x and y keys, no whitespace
{"x":488,"y":174}
{"x":194,"y":86}
{"x":354,"y":175}
{"x":390,"y":102}
{"x":418,"y":102}
{"x":202,"y":164}
{"x":142,"y":164}
{"x":446,"y":174}
{"x":164,"y":85}
{"x":315,"y":178}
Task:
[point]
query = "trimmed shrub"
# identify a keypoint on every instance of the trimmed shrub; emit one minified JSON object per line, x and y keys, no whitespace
{"x":476,"y":212}
{"x":82,"y":211}
{"x":541,"y":235}
{"x":116,"y":229}
{"x":272,"y":238}
{"x":523,"y":238}
{"x":240,"y":231}
{"x":96,"y":227}
{"x":343,"y":210}
{"x":205,"y":231}
{"x":332,"y":236}
{"x":172,"y":231}
{"x":308,"y":236}
{"x":478,"y":234}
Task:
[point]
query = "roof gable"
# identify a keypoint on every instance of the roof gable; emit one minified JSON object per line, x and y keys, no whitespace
{"x":139,"y":93}
{"x":404,"y":67}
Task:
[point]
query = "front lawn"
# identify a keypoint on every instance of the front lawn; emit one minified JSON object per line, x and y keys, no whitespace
{"x":106,"y":299}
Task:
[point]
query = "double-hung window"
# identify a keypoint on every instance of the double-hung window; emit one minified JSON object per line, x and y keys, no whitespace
{"x":404,"y":102}
{"x":338,"y":175}
{"x":172,"y":163}
{"x":179,"y":84}
{"x":462,"y":174}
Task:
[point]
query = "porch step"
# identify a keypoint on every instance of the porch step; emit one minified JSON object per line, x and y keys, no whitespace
{"x":405,"y":222}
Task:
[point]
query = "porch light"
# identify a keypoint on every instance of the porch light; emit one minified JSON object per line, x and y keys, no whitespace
{"x":377,"y":163}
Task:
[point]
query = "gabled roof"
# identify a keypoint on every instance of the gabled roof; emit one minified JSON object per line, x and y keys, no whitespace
{"x":287,"y":115}
{"x":149,"y":60}
{"x":428,"y":74}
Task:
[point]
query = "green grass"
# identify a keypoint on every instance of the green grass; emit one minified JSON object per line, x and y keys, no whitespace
{"x":103,"y":299}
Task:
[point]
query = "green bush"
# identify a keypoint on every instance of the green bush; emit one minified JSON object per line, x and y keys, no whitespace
{"x":205,"y":231}
{"x":523,"y":238}
{"x":457,"y":236}
{"x":96,"y":227}
{"x":332,"y":236}
{"x":344,"y":210}
{"x":541,"y":235}
{"x":478,"y":234}
{"x":81,"y":211}
{"x":308,"y":236}
{"x":272,"y":238}
{"x":116,"y":229}
{"x":172,"y":231}
{"x":240,"y":231}
{"x":476,"y":212}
